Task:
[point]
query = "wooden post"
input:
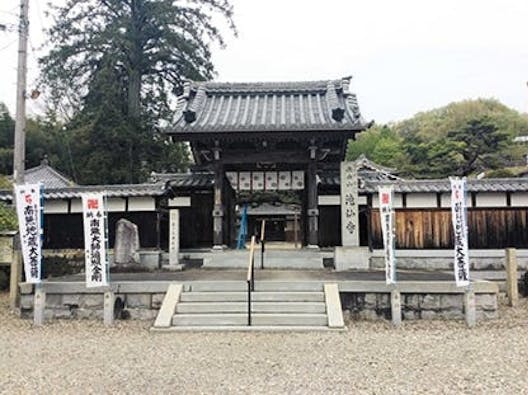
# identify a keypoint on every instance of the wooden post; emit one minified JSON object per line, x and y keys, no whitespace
{"x":312,"y":211}
{"x":218,"y":211}
{"x":39,"y":305}
{"x":15,"y":274}
{"x":512,"y":287}
{"x":108,"y":308}
{"x":295,"y":230}
{"x":396,"y":307}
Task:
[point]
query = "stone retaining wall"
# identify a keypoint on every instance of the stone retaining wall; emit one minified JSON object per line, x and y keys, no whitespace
{"x":375,"y":306}
{"x":363,"y":306}
{"x":137,"y":306}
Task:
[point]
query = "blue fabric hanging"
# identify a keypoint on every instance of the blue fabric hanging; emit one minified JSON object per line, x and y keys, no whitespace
{"x":242,"y":231}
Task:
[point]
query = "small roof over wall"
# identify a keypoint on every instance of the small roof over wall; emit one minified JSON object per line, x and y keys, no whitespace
{"x":213,"y":107}
{"x":47,"y":175}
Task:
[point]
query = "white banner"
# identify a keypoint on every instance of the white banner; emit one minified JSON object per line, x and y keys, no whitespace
{"x":95,"y":240}
{"x":459,"y":216}
{"x":387,"y":230}
{"x":29,"y":214}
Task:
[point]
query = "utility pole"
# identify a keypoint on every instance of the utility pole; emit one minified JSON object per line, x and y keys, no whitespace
{"x":20,"y":142}
{"x":20,"y":121}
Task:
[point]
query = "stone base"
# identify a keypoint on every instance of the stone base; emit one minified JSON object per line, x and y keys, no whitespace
{"x":351,"y":258}
{"x":312,"y":247}
{"x":219,"y":247}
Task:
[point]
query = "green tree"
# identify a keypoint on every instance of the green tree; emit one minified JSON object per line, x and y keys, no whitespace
{"x":7,"y":132}
{"x":478,"y":144}
{"x":115,"y":64}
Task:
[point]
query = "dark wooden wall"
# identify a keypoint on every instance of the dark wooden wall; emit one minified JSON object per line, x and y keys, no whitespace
{"x":66,"y":230}
{"x":196,"y":222}
{"x":330,"y":226}
{"x":432,"y":228}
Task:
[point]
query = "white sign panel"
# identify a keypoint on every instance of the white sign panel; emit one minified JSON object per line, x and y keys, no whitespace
{"x":387,"y":230}
{"x":28,"y":204}
{"x":257,"y":180}
{"x":96,"y":264}
{"x":459,"y":217}
{"x":297,"y":180}
{"x":244,"y":181}
{"x":271,"y":181}
{"x":284,"y":180}
{"x":349,"y":205}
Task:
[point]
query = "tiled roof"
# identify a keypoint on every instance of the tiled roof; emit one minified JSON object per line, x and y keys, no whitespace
{"x":184,"y":180}
{"x":433,"y":186}
{"x":207,"y":107}
{"x":48,"y":176}
{"x":123,"y":190}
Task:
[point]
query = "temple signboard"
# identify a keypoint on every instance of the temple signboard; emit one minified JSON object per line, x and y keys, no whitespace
{"x":349,"y":205}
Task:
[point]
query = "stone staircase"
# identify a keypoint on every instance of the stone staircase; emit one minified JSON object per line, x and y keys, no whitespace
{"x":222,"y":305}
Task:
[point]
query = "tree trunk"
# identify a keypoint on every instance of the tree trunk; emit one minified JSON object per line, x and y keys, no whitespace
{"x":134,"y":93}
{"x":134,"y":78}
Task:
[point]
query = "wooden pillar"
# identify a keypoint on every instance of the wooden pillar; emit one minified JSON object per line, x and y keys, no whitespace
{"x":15,"y":274}
{"x":218,"y":211}
{"x":312,"y":211}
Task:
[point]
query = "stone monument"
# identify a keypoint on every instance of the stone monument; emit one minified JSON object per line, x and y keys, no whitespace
{"x":126,"y":247}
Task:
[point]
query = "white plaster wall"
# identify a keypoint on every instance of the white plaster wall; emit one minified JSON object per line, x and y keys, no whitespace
{"x":446,"y":200}
{"x":397,"y":203}
{"x":329,"y":200}
{"x":491,"y":199}
{"x":421,"y":200}
{"x":55,"y":207}
{"x":519,"y":199}
{"x":116,"y":204}
{"x":76,"y":206}
{"x":180,"y":201}
{"x":141,"y":204}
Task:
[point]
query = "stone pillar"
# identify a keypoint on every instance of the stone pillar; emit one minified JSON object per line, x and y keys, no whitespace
{"x":349,"y":205}
{"x":312,"y":210}
{"x":218,"y":211}
{"x":470,"y":308}
{"x":512,"y":287}
{"x":350,"y":255}
{"x":396,"y":307}
{"x":39,"y":305}
{"x":108,"y":308}
{"x":174,"y":236}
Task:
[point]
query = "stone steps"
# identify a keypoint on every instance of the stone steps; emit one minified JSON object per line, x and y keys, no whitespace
{"x":274,"y":304}
{"x":257,"y":307}
{"x":261,"y":296}
{"x":257,"y":319}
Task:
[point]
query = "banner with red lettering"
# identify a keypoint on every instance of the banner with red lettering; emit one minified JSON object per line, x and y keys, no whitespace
{"x":29,"y":206}
{"x":95,"y":237}
{"x":459,"y":217}
{"x":387,"y":229}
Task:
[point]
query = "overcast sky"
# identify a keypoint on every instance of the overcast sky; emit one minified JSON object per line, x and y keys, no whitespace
{"x":405,"y":56}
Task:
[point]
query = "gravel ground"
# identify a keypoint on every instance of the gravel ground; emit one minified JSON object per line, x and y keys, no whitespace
{"x":371,"y":357}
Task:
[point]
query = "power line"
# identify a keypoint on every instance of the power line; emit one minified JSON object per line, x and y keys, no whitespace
{"x":8,"y":45}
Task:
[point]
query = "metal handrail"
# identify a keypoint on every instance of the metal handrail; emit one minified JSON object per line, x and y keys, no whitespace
{"x":262,"y":242}
{"x":250,"y":279}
